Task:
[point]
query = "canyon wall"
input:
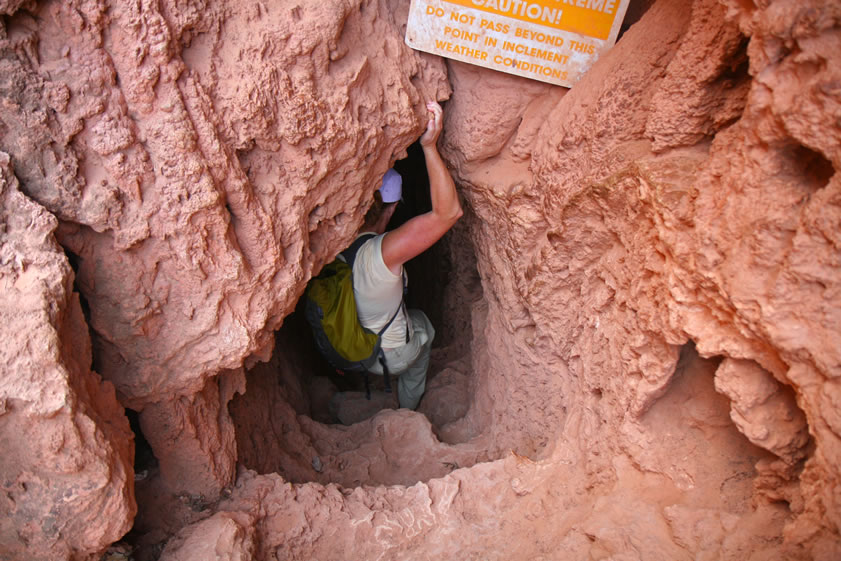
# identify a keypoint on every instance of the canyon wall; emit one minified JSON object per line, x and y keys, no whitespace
{"x":66,"y":459}
{"x":654,"y":361}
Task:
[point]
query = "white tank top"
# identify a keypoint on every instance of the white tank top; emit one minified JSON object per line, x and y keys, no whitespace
{"x":379,"y":293}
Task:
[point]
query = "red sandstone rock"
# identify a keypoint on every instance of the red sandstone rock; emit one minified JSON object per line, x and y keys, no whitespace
{"x":221,"y":169}
{"x":66,"y":487}
{"x":382,"y":448}
{"x":10,"y":6}
{"x":615,"y":254}
{"x":222,"y":537}
{"x":193,"y":439}
{"x":764,"y":413}
{"x":205,"y":161}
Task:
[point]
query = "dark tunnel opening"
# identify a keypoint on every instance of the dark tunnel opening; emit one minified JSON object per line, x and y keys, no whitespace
{"x":144,"y":458}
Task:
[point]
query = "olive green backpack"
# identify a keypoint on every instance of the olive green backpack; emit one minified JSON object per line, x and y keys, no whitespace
{"x":331,"y":312}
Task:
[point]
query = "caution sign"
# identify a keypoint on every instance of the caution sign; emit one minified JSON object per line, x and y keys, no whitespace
{"x":554,"y":41}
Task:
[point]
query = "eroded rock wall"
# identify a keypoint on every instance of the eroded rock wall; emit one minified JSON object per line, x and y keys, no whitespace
{"x":66,"y":480}
{"x":655,"y":358}
{"x":659,"y":257}
{"x":638,"y":238}
{"x":681,"y":191}
{"x":204,"y":159}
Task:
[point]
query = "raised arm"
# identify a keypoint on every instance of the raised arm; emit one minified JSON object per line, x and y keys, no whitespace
{"x":419,"y":233}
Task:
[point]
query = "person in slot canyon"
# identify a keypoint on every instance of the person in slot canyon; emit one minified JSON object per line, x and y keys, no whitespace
{"x":378,"y":275}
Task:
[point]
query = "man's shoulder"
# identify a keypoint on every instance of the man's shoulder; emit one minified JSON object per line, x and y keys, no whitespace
{"x":352,"y":252}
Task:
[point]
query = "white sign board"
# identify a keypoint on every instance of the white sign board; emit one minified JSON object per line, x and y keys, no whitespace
{"x":554,"y":41}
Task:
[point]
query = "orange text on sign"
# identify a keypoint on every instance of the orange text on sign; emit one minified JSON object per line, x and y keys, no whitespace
{"x":592,"y":18}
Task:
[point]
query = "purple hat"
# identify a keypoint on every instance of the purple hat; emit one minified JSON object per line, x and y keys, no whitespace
{"x":392,"y":186}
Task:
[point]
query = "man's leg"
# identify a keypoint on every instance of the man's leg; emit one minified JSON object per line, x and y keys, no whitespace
{"x":412,"y":381}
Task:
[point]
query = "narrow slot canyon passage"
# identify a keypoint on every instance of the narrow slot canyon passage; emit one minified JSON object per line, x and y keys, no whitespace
{"x":298,"y":381}
{"x":637,"y":316}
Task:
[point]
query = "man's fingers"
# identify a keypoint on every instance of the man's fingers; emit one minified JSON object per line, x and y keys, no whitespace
{"x":435,"y":124}
{"x":436,"y":111}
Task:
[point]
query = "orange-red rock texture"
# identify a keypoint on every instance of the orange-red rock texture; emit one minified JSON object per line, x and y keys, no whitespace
{"x":640,"y":332}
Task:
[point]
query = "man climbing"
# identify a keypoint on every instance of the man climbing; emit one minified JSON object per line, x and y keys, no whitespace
{"x":378,"y":276}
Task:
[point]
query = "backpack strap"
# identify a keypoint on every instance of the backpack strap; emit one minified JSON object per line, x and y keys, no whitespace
{"x":350,"y":253}
{"x":386,"y":374}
